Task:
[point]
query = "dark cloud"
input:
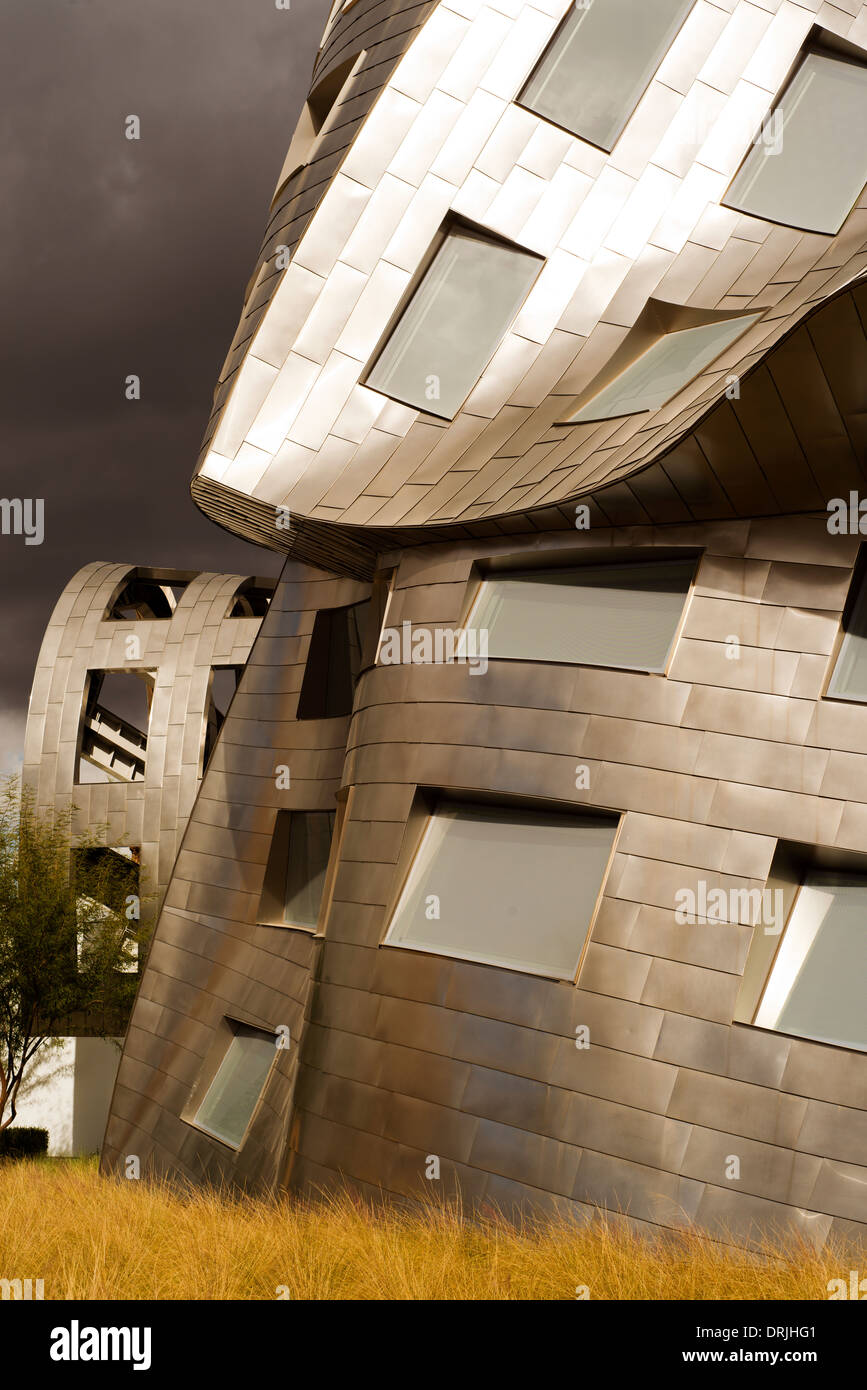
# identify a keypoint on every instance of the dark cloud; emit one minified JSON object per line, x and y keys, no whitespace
{"x":122,"y":257}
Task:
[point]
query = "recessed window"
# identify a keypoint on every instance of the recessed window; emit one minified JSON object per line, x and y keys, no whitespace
{"x":297,"y":863}
{"x":593,"y":73}
{"x":849,"y":677}
{"x":455,"y":320}
{"x":507,"y":886}
{"x":809,"y":163}
{"x":232,"y":1096}
{"x":333,"y":662}
{"x":592,"y":615}
{"x":815,"y":985}
{"x":662,"y":370}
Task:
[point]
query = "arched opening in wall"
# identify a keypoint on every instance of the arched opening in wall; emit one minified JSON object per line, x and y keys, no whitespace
{"x":221,"y":688}
{"x":314,"y":119}
{"x":251,"y":600}
{"x":333,"y":662}
{"x":143,"y":596}
{"x":114,"y":726}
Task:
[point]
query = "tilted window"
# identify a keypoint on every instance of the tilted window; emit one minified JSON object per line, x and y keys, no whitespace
{"x":233,"y":1094}
{"x":622,"y":615}
{"x":592,"y":75}
{"x":333,"y":662}
{"x":297,"y":863}
{"x":809,"y":163}
{"x":812,"y":977}
{"x":512,"y":887}
{"x":454,"y":322}
{"x":662,"y":370}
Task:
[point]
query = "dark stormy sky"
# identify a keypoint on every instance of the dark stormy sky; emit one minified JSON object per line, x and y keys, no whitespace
{"x":122,"y":257}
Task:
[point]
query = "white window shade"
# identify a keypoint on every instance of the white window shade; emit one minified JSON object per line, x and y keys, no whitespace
{"x":809,"y":165}
{"x":592,"y":76}
{"x":663,"y":370}
{"x":234,"y":1092}
{"x":849,"y":677}
{"x":510,"y":887}
{"x":595,"y":615}
{"x":815,"y":988}
{"x":454,"y":322}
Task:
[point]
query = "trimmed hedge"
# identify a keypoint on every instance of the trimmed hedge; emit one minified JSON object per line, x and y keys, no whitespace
{"x":23,"y":1142}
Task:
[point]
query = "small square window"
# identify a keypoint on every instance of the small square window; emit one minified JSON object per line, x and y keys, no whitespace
{"x":623,"y":616}
{"x":233,"y":1094}
{"x":809,"y":164}
{"x":662,"y":370}
{"x":454,"y":322}
{"x":513,"y":887}
{"x":592,"y":75}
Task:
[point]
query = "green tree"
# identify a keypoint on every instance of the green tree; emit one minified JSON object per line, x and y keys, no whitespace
{"x":70,"y":935}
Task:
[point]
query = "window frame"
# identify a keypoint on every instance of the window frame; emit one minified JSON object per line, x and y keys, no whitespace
{"x":857,"y":585}
{"x":549,"y":120}
{"x":483,"y":571}
{"x":217,"y":1055}
{"x":451,"y":223}
{"x":420,"y":820}
{"x":822,"y":44}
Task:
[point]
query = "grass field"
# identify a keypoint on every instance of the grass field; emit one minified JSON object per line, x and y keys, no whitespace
{"x":88,"y":1237}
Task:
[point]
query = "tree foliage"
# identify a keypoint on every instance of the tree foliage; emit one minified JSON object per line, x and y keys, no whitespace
{"x":70,"y":935}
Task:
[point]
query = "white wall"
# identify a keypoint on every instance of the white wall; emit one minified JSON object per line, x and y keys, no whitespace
{"x":67,"y":1090}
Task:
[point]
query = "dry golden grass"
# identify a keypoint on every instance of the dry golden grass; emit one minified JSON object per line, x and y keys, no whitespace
{"x":89,"y":1237}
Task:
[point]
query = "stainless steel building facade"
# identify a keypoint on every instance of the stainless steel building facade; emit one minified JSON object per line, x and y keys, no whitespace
{"x":531,"y":855}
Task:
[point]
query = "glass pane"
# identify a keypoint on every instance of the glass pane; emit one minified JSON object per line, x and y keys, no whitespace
{"x":810,"y":164}
{"x":511,"y":887}
{"x":849,"y":678}
{"x":593,"y":75}
{"x":232,"y":1095}
{"x":599,"y":615}
{"x":662,"y":371}
{"x":816,"y":986}
{"x":309,"y":846}
{"x":454,"y":323}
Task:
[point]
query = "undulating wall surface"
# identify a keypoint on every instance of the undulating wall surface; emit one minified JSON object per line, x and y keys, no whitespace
{"x":210,"y":959}
{"x":407,"y":1055}
{"x":448,"y":136}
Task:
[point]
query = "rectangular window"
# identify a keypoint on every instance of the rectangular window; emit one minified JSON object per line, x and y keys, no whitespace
{"x":455,"y":320}
{"x":849,"y":677}
{"x":232,"y":1096}
{"x":593,"y":74}
{"x":662,"y":370}
{"x":297,"y":863}
{"x":815,"y":984}
{"x":809,"y":164}
{"x":333,"y":662}
{"x":623,"y":615}
{"x":507,"y":886}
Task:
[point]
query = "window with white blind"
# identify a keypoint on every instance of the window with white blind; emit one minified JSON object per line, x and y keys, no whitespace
{"x":662,"y":370}
{"x":508,"y":886}
{"x":454,"y":322}
{"x":593,"y":73}
{"x":808,"y":164}
{"x":622,"y":615}
{"x":233,"y":1094}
